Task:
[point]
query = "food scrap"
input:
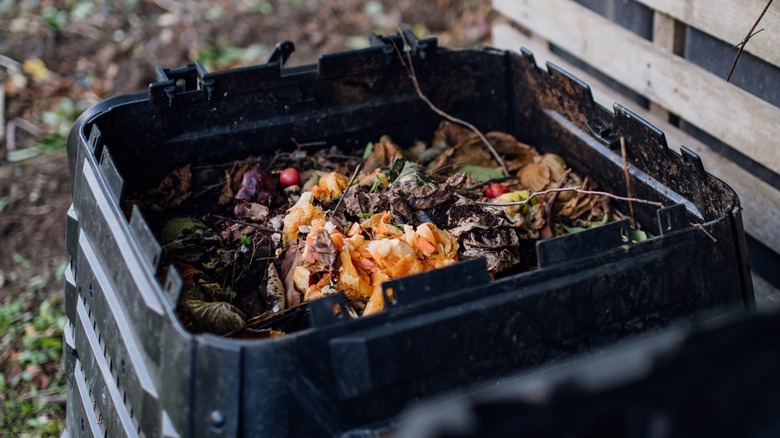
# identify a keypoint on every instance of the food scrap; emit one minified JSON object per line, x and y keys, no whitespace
{"x":258,"y":239}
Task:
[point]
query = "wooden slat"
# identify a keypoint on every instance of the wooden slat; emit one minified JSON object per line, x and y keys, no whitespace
{"x":729,"y":20}
{"x":726,"y":112}
{"x":760,"y":201}
{"x":665,"y":36}
{"x":664,"y":32}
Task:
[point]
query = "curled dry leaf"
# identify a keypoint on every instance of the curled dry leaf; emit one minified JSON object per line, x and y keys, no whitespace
{"x":582,"y":206}
{"x":515,"y":153}
{"x":216,"y":317}
{"x":292,"y":259}
{"x":360,"y":200}
{"x":556,"y":165}
{"x":321,"y":250}
{"x":450,"y":135}
{"x":382,"y":154}
{"x":503,"y":248}
{"x":173,"y":190}
{"x":226,"y":195}
{"x":482,"y":231}
{"x":251,"y":210}
{"x":535,"y":176}
{"x":274,"y":290}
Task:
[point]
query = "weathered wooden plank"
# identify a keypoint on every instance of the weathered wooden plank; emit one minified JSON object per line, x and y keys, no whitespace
{"x":761,"y":202}
{"x":666,"y":35}
{"x":726,"y":112}
{"x":728,"y":20}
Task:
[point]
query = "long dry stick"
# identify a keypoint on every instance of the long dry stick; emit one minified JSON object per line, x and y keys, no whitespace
{"x":747,"y":38}
{"x":707,"y":233}
{"x":576,"y":189}
{"x":628,"y":180}
{"x":344,"y":193}
{"x":245,"y":223}
{"x":410,"y":71}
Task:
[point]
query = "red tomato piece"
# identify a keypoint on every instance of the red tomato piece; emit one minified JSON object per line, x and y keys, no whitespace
{"x":289,"y":177}
{"x":494,"y":190}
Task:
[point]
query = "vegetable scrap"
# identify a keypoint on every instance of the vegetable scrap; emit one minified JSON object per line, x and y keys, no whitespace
{"x":256,"y":240}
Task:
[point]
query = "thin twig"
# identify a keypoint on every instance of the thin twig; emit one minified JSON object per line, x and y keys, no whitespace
{"x":410,"y":71}
{"x":747,"y":38}
{"x":487,"y":182}
{"x":703,"y":230}
{"x":248,"y":224}
{"x":576,"y":189}
{"x":344,"y":193}
{"x":628,"y":181}
{"x":264,"y":318}
{"x":735,"y":46}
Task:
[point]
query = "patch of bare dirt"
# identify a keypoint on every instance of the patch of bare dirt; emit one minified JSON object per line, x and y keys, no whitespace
{"x":36,"y":194}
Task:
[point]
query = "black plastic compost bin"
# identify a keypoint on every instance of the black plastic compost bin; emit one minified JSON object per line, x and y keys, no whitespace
{"x":132,"y":367}
{"x":720,"y":379}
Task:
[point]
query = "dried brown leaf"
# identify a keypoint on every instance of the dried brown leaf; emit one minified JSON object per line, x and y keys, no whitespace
{"x":217,"y":317}
{"x":172,"y":190}
{"x":513,"y":151}
{"x":292,"y":258}
{"x":226,"y":196}
{"x":427,"y":196}
{"x":325,"y":252}
{"x":251,"y":210}
{"x":382,"y":154}
{"x":556,"y":164}
{"x":449,"y":135}
{"x":535,"y":176}
{"x":274,"y":290}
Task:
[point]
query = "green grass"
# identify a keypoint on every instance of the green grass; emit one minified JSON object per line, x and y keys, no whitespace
{"x":32,"y":381}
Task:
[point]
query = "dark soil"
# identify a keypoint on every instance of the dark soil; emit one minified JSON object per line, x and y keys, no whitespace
{"x":33,"y":222}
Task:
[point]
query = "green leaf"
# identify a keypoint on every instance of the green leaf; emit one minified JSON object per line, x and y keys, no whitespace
{"x":572,"y":230}
{"x":481,"y":173}
{"x":367,"y":150}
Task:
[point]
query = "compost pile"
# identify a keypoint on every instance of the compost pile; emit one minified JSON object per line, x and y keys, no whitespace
{"x":255,"y":240}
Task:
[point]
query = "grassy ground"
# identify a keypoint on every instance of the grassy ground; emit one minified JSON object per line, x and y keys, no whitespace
{"x":32,"y":383}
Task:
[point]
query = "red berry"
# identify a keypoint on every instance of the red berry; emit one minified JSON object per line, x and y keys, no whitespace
{"x":494,"y":190}
{"x":290,"y":177}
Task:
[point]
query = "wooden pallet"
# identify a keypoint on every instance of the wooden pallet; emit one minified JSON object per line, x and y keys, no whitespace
{"x":654,"y":68}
